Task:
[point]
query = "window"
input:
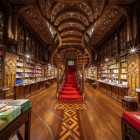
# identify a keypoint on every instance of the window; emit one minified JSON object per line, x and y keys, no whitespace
{"x":71,"y":63}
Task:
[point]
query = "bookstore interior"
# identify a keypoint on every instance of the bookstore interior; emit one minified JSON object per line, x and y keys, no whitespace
{"x":69,"y":69}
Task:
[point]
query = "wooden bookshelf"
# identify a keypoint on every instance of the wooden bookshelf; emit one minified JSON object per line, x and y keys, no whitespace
{"x":29,"y":68}
{"x":1,"y":27}
{"x":1,"y":66}
{"x":39,"y":71}
{"x":50,"y":71}
{"x":20,"y":67}
{"x":103,"y":70}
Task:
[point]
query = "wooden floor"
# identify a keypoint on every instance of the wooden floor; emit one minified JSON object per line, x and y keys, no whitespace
{"x":98,"y":117}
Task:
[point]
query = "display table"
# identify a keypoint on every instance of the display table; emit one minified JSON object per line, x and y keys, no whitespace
{"x":51,"y":80}
{"x":90,"y":80}
{"x":130,"y":105}
{"x":25,"y":91}
{"x":12,"y":127}
{"x":115,"y":91}
{"x":130,"y":126}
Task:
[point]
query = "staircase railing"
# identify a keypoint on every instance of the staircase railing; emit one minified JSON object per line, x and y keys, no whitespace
{"x":79,"y":80}
{"x":62,"y":79}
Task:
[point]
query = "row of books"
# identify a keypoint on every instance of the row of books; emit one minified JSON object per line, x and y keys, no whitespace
{"x":11,"y":109}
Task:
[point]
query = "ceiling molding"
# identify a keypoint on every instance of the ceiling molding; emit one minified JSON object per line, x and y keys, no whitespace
{"x":71,"y":32}
{"x":71,"y":25}
{"x":71,"y":15}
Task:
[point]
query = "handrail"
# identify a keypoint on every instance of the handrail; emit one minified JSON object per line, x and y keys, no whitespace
{"x":79,"y":80}
{"x":62,"y":79}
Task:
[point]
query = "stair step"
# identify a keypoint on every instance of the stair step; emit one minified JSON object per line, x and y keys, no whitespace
{"x":72,"y":98}
{"x":69,"y":92}
{"x":74,"y":84}
{"x":70,"y":88}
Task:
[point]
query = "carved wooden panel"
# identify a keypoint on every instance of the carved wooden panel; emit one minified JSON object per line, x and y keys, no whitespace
{"x":133,"y":73}
{"x":10,"y":72}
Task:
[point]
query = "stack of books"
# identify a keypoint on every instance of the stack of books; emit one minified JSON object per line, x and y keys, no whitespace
{"x":11,"y":109}
{"x":23,"y":103}
{"x":6,"y":101}
{"x":9,"y":113}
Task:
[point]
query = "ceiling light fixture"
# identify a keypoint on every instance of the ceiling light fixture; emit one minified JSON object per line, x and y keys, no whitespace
{"x":106,"y":59}
{"x":133,"y":50}
{"x":27,"y":56}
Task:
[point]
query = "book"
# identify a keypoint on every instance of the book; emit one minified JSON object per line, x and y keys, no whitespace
{"x":9,"y":113}
{"x":2,"y":105}
{"x":23,"y":103}
{"x":19,"y":102}
{"x":6,"y":101}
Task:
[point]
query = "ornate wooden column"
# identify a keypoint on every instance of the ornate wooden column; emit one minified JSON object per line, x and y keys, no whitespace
{"x":10,"y":33}
{"x":58,"y":75}
{"x":83,"y":71}
{"x":16,"y":30}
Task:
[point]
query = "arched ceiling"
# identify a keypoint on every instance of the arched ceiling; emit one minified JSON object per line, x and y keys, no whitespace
{"x":82,"y":8}
{"x":72,"y":19}
{"x":38,"y":24}
{"x":105,"y":23}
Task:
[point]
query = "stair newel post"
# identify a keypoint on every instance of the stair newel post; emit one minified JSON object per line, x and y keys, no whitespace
{"x":83,"y":55}
{"x":58,"y":75}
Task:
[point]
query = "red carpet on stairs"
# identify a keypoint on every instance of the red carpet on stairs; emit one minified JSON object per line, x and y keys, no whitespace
{"x":70,"y":90}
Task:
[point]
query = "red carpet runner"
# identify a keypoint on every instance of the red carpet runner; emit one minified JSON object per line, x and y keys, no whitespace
{"x":70,"y":90}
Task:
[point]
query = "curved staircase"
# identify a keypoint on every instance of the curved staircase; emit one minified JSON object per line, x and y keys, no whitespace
{"x":70,"y":90}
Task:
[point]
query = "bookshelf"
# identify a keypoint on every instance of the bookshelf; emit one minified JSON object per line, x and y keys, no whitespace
{"x":29,"y":68}
{"x":91,"y":72}
{"x":21,"y":37}
{"x":50,"y":71}
{"x":115,"y":50}
{"x":123,"y":54}
{"x":103,"y":71}
{"x":39,"y":71}
{"x":1,"y":27}
{"x":19,"y":68}
{"x":113,"y":69}
{"x":1,"y":63}
{"x":123,"y":69}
